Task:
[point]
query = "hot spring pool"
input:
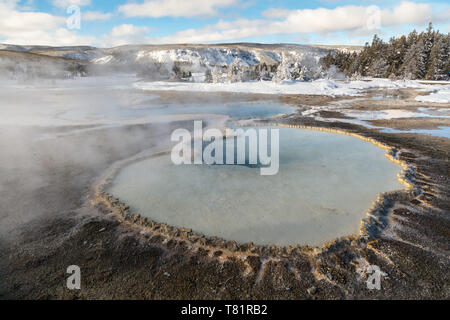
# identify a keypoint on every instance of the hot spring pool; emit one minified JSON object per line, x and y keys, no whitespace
{"x":233,"y":110}
{"x":324,"y":187}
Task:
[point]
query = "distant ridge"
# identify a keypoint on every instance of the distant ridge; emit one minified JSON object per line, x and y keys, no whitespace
{"x":224,"y":62}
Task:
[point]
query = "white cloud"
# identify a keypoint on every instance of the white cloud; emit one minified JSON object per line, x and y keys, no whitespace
{"x":349,"y":17}
{"x":126,"y":34}
{"x":58,"y":37}
{"x":321,"y":20}
{"x":68,"y":3}
{"x":276,"y":13}
{"x":443,"y":16}
{"x":407,"y":12}
{"x":12,"y":20}
{"x":174,"y":8}
{"x":19,"y":27}
{"x":95,"y":15}
{"x":125,"y":30}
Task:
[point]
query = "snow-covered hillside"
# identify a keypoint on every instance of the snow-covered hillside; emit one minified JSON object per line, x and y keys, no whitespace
{"x":23,"y":65}
{"x":227,"y":63}
{"x":195,"y":63}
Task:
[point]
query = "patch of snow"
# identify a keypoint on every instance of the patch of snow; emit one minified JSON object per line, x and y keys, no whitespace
{"x":439,"y":96}
{"x":103,"y":60}
{"x":387,"y":114}
{"x":198,"y":77}
{"x":434,"y":82}
{"x":318,"y":87}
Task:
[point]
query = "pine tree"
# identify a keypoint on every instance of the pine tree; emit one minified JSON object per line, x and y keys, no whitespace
{"x":414,"y":66}
{"x":365,"y":61}
{"x":399,"y":49}
{"x":416,"y":56}
{"x":353,"y":65}
{"x":379,"y":68}
{"x":422,"y":59}
{"x":409,"y":68}
{"x":412,"y":37}
{"x":428,"y":45}
{"x":447,"y":67}
{"x":439,"y":58}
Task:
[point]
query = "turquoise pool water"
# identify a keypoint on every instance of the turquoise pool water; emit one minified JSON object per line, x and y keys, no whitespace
{"x":324,"y":187}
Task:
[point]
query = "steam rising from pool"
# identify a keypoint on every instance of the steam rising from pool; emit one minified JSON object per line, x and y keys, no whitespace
{"x":324,"y":187}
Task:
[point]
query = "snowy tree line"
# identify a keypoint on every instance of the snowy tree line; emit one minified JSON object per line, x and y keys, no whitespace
{"x":416,"y":56}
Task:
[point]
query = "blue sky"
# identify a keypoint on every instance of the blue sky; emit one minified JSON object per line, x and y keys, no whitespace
{"x":117,"y":22}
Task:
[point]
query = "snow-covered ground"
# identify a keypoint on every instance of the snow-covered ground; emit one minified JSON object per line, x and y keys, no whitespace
{"x":390,"y":114}
{"x":439,"y":96}
{"x":317,"y":87}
